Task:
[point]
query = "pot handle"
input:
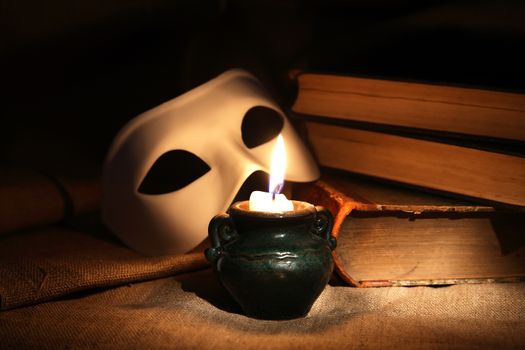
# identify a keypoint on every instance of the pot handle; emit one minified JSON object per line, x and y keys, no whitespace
{"x":323,"y":225}
{"x":220,"y":231}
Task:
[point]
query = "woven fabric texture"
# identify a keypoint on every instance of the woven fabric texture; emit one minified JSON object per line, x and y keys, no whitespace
{"x":44,"y":264}
{"x":192,"y":311}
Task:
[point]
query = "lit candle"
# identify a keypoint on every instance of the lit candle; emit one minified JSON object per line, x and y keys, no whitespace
{"x":273,"y":201}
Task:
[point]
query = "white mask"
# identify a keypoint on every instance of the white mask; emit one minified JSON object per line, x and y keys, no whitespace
{"x":201,"y":147}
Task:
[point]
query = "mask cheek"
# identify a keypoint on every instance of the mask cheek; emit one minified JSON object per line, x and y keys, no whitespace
{"x":181,"y":218}
{"x":262,"y":155}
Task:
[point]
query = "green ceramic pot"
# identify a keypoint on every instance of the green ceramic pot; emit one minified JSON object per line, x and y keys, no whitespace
{"x":275,"y":265}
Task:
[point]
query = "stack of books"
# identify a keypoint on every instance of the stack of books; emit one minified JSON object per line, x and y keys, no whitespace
{"x":462,"y":146}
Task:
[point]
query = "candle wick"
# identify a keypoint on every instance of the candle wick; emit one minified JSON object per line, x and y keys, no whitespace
{"x":278,"y":188}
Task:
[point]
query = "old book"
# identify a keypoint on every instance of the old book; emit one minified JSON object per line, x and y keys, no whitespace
{"x":392,"y":236}
{"x":465,"y":111}
{"x":439,"y":166}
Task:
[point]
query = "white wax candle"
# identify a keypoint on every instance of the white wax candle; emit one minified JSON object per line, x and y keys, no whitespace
{"x":263,"y":201}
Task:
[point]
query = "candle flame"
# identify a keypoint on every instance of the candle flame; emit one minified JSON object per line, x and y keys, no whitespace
{"x":277,"y":167}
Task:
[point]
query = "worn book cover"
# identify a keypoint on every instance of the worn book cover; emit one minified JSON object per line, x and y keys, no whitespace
{"x":396,"y":236}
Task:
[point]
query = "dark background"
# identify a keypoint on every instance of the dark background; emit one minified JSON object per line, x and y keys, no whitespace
{"x":73,"y":72}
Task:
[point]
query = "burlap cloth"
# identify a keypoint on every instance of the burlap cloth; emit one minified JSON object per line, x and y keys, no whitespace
{"x":73,"y":268}
{"x":43,"y":264}
{"x":192,"y":311}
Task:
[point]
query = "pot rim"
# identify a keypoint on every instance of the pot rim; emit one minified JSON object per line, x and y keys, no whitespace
{"x":300,"y":209}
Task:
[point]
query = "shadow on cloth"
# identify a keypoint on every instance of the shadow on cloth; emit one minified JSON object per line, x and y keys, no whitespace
{"x":205,"y":285}
{"x":326,"y":313}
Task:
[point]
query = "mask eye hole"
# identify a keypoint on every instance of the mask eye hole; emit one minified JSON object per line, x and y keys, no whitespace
{"x":260,"y":125}
{"x":172,"y":171}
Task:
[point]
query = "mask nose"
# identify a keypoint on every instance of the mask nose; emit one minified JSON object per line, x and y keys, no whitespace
{"x":231,"y":184}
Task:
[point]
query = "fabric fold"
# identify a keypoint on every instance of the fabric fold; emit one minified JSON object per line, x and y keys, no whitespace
{"x":44,"y":264}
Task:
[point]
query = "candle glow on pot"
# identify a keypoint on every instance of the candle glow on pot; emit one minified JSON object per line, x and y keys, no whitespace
{"x":273,"y":201}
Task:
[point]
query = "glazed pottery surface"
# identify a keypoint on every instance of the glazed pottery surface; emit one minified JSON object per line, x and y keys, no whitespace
{"x":275,"y":265}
